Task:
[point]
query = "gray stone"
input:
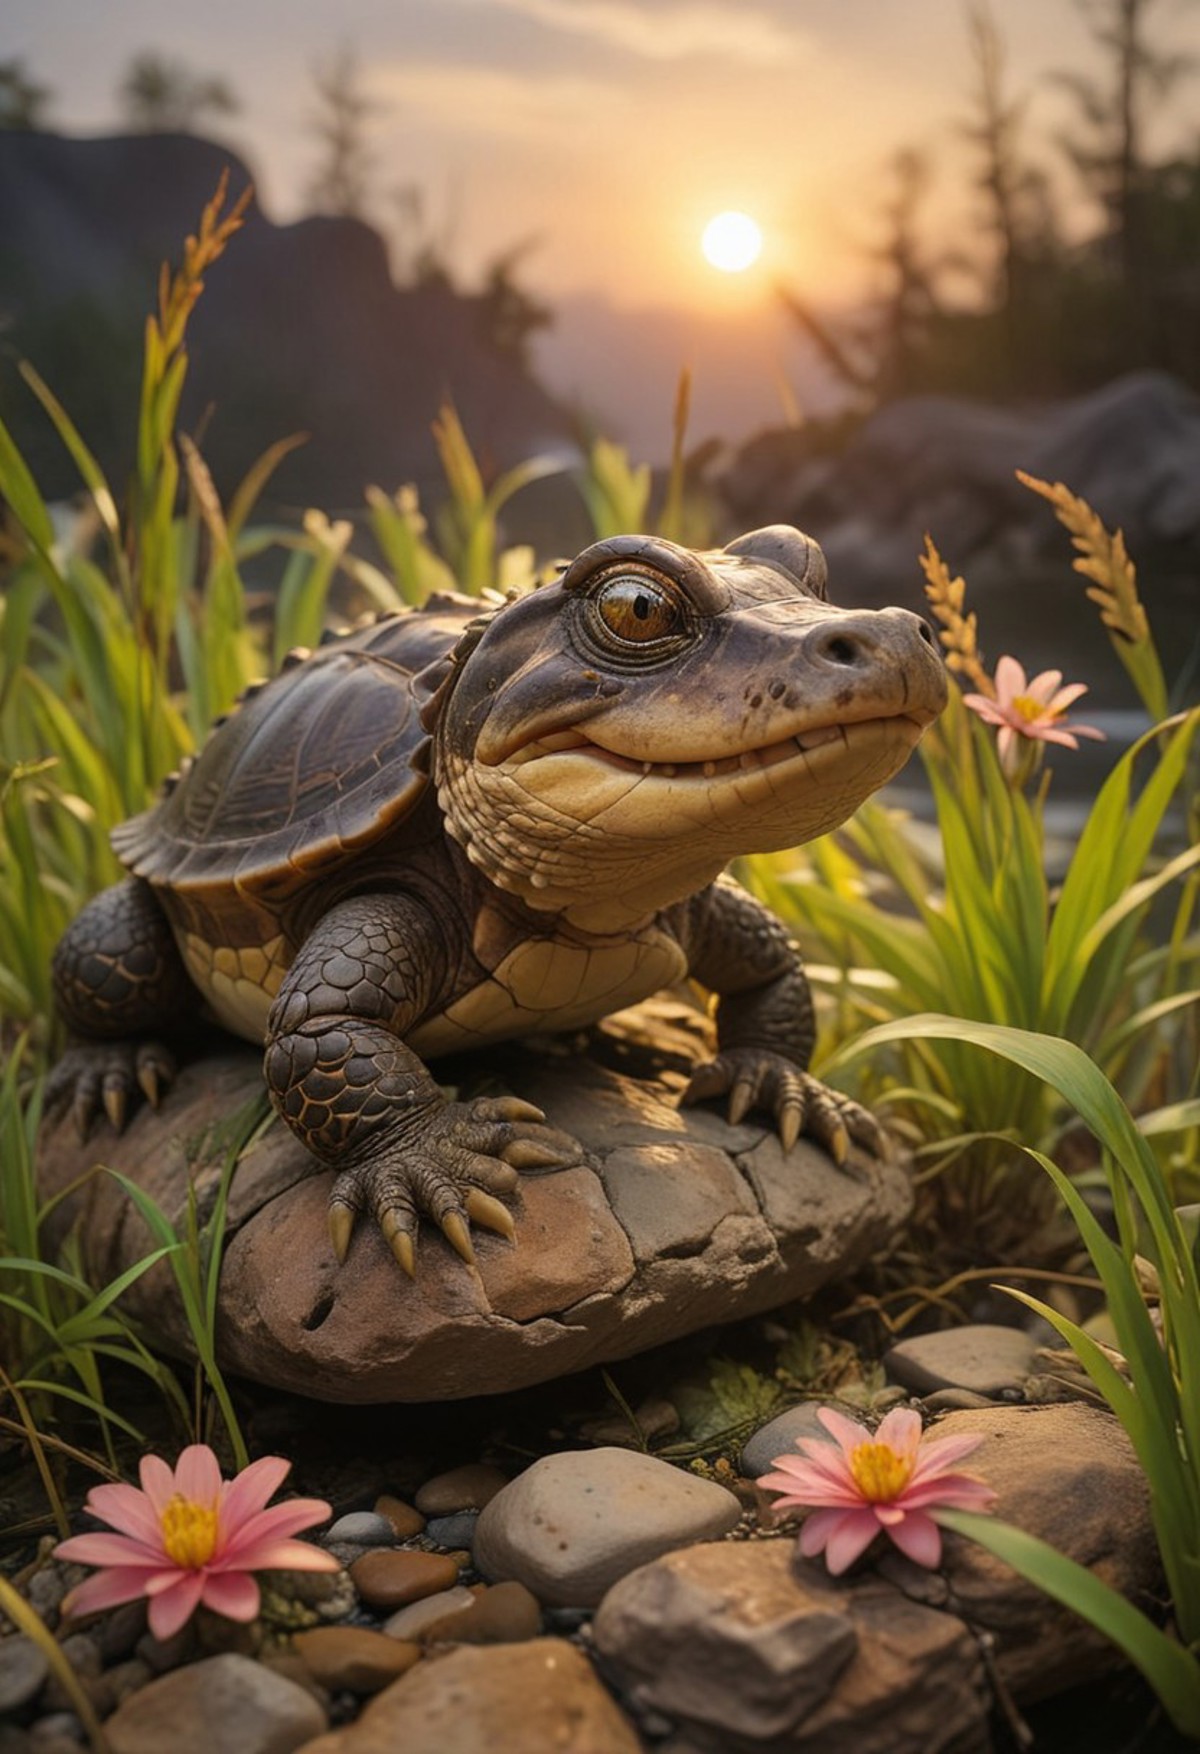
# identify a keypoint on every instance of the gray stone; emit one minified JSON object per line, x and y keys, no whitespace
{"x":58,"y":1732}
{"x":228,"y":1702}
{"x":984,"y":1358}
{"x":360,"y":1528}
{"x":23,"y":1672}
{"x":572,"y":1524}
{"x":779,"y":1437}
{"x":675,"y":1221}
{"x":508,"y":1699}
{"x":750,"y":1648}
{"x":454,"y":1532}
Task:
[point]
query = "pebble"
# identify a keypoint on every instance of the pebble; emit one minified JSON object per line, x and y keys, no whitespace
{"x":779,"y":1437}
{"x":355,"y":1658}
{"x":393,"y":1579}
{"x":406,"y":1522}
{"x":230,"y":1703}
{"x":45,"y":1591}
{"x":361,"y":1528}
{"x":467,"y":1488}
{"x":411,"y":1622}
{"x":507,"y":1613}
{"x":163,"y":1654}
{"x":59,"y":1732}
{"x":125,"y":1678}
{"x":516,"y":1699}
{"x":573,"y":1523}
{"x":23,"y":1671}
{"x":118,"y":1631}
{"x":954,"y":1401}
{"x":453,"y":1531}
{"x":983,"y":1357}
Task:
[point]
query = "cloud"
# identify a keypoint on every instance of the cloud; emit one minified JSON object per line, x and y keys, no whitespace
{"x":670,"y":32}
{"x":489,"y":101}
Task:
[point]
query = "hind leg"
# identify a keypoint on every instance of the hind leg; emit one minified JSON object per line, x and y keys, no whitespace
{"x":119,"y":983}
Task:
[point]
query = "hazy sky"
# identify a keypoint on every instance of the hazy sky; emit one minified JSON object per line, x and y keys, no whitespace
{"x":609,"y":130}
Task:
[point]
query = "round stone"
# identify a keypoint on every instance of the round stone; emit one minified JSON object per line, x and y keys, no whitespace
{"x":983,"y":1357}
{"x":507,"y":1613}
{"x":406,"y":1522}
{"x":572,"y":1524}
{"x":393,"y":1579}
{"x":354,"y":1657}
{"x":411,"y":1622}
{"x":362,"y":1528}
{"x":23,"y":1671}
{"x":453,"y":1531}
{"x":779,"y":1437}
{"x":467,"y":1488}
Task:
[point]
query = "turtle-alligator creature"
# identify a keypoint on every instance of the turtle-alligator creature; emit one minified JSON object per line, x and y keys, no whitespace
{"x":451,"y":828}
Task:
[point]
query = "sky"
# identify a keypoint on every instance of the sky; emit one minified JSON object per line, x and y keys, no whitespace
{"x":603,"y":132}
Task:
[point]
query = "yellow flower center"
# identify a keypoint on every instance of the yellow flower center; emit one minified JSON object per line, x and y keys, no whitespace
{"x":1030,"y":709}
{"x":189,"y":1532}
{"x":879,"y":1473}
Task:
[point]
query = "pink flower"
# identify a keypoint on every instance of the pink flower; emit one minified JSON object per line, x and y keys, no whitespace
{"x":189,"y":1537}
{"x":863,"y":1484}
{"x":1033,"y":709}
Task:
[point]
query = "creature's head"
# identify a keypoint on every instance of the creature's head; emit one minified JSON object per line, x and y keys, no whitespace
{"x":609,"y":742}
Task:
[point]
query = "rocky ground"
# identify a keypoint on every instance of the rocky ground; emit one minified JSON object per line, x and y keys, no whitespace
{"x":586,"y":1564}
{"x":604,"y":1600}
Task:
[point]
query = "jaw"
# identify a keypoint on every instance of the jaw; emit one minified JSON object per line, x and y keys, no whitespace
{"x":574,"y":827}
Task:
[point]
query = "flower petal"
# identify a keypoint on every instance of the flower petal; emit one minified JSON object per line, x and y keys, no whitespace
{"x":127,"y":1510}
{"x":817,"y":1530}
{"x":955,"y":1491}
{"x":919,"y":1538}
{"x":198,"y":1475}
{"x":848,"y":1432}
{"x":275,"y":1524}
{"x":158,"y":1482}
{"x":1009,"y":680}
{"x":852,"y":1537}
{"x":174,"y":1607}
{"x":937,"y":1455}
{"x":105,"y":1549}
{"x":247,"y":1494}
{"x":1042,"y":686}
{"x":1065,"y":696}
{"x":232,"y":1593}
{"x":901,"y":1431}
{"x":276,"y":1555}
{"x":108,"y":1589}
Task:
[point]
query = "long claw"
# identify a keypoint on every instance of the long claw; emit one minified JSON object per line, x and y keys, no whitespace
{"x":454,"y":1229}
{"x":81,"y":1115}
{"x":838,"y":1144}
{"x":529,"y":1154}
{"x":482,"y":1209}
{"x":115,"y":1104}
{"x":740,"y":1099}
{"x":791,"y":1118}
{"x":399,"y":1239}
{"x":341,"y":1228}
{"x":506,"y":1108}
{"x":147,"y":1077}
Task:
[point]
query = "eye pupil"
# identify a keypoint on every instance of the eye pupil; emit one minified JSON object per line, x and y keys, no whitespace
{"x":635,"y":611}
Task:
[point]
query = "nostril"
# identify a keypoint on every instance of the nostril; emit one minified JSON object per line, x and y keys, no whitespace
{"x":926,"y":632}
{"x":841,"y":651}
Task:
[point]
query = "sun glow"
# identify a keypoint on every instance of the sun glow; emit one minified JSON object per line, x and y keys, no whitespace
{"x":731,"y":242}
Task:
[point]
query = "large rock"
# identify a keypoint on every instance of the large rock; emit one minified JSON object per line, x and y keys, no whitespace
{"x":512,"y":1699}
{"x":227,"y":1702}
{"x":676,"y":1221}
{"x":750,"y":1647}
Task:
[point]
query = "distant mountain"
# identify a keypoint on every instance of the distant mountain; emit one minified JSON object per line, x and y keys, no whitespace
{"x":300,"y":328}
{"x":620,"y":367}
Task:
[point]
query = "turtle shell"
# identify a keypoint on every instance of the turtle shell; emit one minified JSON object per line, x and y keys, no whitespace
{"x":310,"y":768}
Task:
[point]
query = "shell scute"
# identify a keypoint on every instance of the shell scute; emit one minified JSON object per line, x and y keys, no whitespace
{"x":314,"y":765}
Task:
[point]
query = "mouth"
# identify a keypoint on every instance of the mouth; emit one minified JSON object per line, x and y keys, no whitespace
{"x":903,"y":727}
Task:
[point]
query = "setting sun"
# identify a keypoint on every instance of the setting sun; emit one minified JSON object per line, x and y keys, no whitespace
{"x":731,"y":242}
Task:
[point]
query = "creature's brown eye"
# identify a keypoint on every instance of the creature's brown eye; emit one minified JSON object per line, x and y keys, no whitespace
{"x":634,"y":608}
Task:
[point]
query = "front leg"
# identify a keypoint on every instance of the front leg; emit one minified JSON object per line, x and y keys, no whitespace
{"x":343,"y":1079}
{"x":740,"y":951}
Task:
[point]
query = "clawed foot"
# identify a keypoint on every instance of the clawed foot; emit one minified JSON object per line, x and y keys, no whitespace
{"x":108,"y":1075}
{"x":800,"y":1103}
{"x":450,"y":1166}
